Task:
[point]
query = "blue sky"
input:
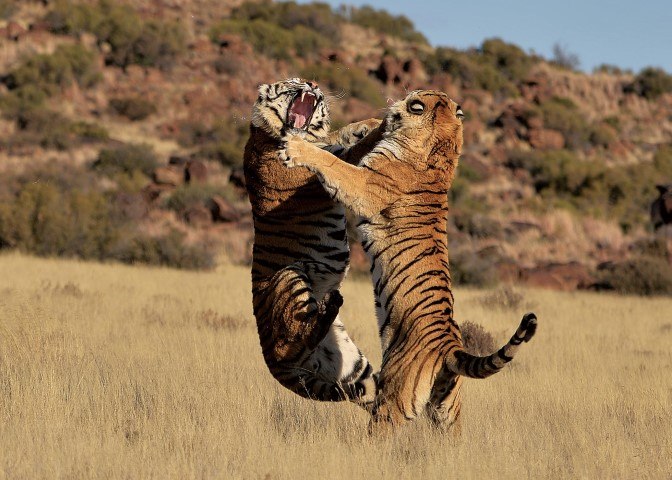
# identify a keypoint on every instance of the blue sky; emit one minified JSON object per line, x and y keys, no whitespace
{"x":627,"y":34}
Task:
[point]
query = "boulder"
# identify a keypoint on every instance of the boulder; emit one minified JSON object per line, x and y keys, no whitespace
{"x":170,"y":175}
{"x":222,"y":211}
{"x":546,"y":139}
{"x":196,"y":172}
{"x":557,"y":276}
{"x":198,"y":215}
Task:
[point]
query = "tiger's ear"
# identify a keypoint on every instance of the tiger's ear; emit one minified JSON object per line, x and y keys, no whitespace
{"x":263,"y":89}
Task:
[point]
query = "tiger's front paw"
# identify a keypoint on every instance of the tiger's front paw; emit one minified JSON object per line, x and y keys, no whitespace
{"x":290,"y":151}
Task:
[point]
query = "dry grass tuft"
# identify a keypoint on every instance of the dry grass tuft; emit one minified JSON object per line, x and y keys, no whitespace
{"x":477,"y":340}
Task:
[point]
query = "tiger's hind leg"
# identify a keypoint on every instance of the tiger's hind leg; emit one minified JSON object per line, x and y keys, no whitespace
{"x":443,"y":408}
{"x":299,"y":321}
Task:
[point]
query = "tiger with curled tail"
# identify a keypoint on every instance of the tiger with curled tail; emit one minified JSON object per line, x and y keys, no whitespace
{"x":399,"y":189}
{"x":300,"y":252}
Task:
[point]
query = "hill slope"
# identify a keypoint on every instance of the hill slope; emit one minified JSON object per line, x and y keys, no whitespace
{"x":113,"y":107}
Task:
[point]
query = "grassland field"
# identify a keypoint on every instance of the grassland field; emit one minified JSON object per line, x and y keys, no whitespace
{"x":110,"y":371}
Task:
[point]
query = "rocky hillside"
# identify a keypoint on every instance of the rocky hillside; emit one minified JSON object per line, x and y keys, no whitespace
{"x":122,"y":127}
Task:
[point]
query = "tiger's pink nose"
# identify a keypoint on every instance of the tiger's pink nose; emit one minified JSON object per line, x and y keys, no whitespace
{"x":312,"y":84}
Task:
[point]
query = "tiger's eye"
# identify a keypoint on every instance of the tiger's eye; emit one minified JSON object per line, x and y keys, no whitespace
{"x":416,"y":107}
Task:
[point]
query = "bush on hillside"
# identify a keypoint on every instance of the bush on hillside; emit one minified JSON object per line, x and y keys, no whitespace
{"x":508,"y":58}
{"x":467,"y":268}
{"x":651,"y":83}
{"x":273,"y":40}
{"x":562,"y":115}
{"x":317,"y":17}
{"x":384,"y":22}
{"x":133,"y":108}
{"x":168,"y":250}
{"x":126,"y":159}
{"x":336,"y":79}
{"x":638,"y":276}
{"x":222,"y":141}
{"x":43,"y":74}
{"x":131,"y":39}
{"x":50,"y":130}
{"x":58,"y":212}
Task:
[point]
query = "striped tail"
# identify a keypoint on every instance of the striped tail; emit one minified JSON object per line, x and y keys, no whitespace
{"x":468,"y":365}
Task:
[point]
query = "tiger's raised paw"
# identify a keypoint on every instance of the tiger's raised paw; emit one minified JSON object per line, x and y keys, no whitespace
{"x":290,"y":150}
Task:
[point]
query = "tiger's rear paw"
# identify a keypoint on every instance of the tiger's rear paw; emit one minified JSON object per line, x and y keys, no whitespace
{"x":332,"y":302}
{"x":528,"y":326}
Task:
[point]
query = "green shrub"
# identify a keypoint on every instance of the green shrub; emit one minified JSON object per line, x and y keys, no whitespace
{"x":133,"y":108}
{"x":507,"y":58}
{"x":558,"y":171}
{"x":167,"y":250}
{"x":337,"y":79}
{"x":383,"y":22}
{"x":86,"y":131}
{"x":471,"y":69}
{"x":131,"y":40}
{"x":50,"y":130}
{"x":226,"y":153}
{"x":224,"y":141}
{"x":45,"y":220}
{"x":478,"y":225}
{"x":317,"y":17}
{"x":639,"y":276}
{"x":651,"y":83}
{"x":42,"y":75}
{"x":602,"y":135}
{"x":561,"y":114}
{"x":272,"y":40}
{"x":190,"y":195}
{"x":127,"y":159}
{"x":467,"y":268}
{"x":7,"y":8}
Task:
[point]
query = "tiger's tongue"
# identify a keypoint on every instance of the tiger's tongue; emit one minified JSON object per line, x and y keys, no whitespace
{"x":299,"y":121}
{"x":301,"y":111}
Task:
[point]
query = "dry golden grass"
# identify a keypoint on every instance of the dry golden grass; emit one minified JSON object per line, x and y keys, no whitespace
{"x":109,"y":371}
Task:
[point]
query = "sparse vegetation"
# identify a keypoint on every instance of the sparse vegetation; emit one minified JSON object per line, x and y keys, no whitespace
{"x":282,"y":30}
{"x":564,"y":58}
{"x":42,"y":75}
{"x":651,"y":83}
{"x":638,"y":276}
{"x":131,"y":39}
{"x":126,"y":159}
{"x":133,"y":108}
{"x":496,"y":66}
{"x":338,"y":79}
{"x":223,"y":140}
{"x":383,"y":22}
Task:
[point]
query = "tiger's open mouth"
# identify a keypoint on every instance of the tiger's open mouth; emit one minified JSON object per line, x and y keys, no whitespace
{"x":301,"y":110}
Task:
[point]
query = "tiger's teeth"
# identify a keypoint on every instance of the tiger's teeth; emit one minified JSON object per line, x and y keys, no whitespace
{"x":303,"y":95}
{"x":314,"y":102}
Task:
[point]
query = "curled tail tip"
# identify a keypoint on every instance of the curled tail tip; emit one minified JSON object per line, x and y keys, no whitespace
{"x":529,"y":326}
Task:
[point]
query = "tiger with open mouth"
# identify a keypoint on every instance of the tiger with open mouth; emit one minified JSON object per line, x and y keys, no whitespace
{"x":301,"y":253}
